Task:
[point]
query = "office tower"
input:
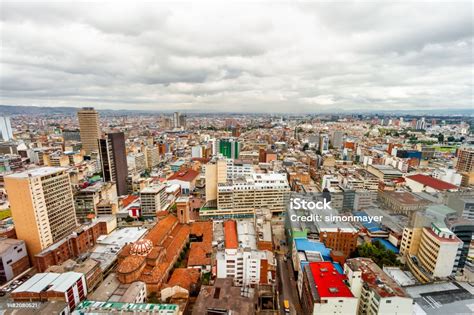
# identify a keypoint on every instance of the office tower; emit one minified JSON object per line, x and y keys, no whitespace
{"x":152,"y":156}
{"x":6,"y":128}
{"x":176,"y":119}
{"x":323,"y":143}
{"x":182,"y":121}
{"x":114,"y":161}
{"x":89,"y":128}
{"x":42,"y":206}
{"x":421,"y":124}
{"x":337,"y":139}
{"x":229,"y":148}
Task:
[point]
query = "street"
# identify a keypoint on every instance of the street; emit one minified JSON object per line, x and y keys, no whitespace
{"x":287,"y":286}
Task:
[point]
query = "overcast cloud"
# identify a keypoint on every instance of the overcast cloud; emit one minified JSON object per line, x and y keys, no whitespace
{"x":238,"y":57}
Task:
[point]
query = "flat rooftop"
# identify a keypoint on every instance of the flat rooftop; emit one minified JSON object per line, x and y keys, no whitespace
{"x":442,"y":298}
{"x":38,"y":172}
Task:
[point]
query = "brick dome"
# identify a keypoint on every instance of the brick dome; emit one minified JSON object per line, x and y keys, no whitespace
{"x":141,"y":247}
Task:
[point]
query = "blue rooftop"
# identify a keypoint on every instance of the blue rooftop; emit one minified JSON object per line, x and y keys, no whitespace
{"x":372,"y":226}
{"x":303,"y":244}
{"x":386,"y":244}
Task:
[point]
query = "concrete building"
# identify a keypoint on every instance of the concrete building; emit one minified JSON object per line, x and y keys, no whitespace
{"x":225,"y":298}
{"x":137,"y":162}
{"x":465,"y":160}
{"x":376,"y":291}
{"x":437,"y":255}
{"x":153,"y":198}
{"x":6,"y":128}
{"x":96,"y":200}
{"x":324,"y":291}
{"x":13,"y":258}
{"x":241,"y":196}
{"x":464,"y":206}
{"x":420,"y":182}
{"x":111,"y":290}
{"x":229,"y":148}
{"x":240,"y":259}
{"x":89,"y":129}
{"x":42,"y":206}
{"x":69,"y":287}
{"x":152,"y":154}
{"x":384,"y":172}
{"x":114,"y":161}
{"x":186,"y":179}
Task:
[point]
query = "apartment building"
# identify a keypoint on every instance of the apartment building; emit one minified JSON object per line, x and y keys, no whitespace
{"x":137,"y":162}
{"x":376,"y":291}
{"x":437,"y":255}
{"x":153,"y":198}
{"x":324,"y":291}
{"x":152,"y":154}
{"x":240,"y":259}
{"x":95,"y":200}
{"x":42,"y":206}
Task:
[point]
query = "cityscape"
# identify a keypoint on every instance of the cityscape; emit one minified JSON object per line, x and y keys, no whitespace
{"x":236,"y":158}
{"x":198,"y":214}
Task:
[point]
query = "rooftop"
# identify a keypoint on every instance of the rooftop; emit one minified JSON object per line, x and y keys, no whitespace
{"x":432,"y":182}
{"x":375,"y":277}
{"x":329,"y":282}
{"x":38,"y":172}
{"x":186,"y":175}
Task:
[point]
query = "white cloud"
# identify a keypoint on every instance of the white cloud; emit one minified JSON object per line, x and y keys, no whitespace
{"x":238,"y":57}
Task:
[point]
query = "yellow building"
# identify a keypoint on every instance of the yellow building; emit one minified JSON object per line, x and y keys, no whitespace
{"x":42,"y":206}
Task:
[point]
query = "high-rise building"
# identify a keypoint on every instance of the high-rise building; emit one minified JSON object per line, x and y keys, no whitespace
{"x":6,"y":128}
{"x":89,"y":128}
{"x":114,"y":161}
{"x":465,"y":160}
{"x":229,"y":148}
{"x":42,"y":206}
{"x":323,"y":143}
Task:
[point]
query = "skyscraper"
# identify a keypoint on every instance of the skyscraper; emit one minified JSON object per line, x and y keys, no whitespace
{"x":114,"y":160}
{"x":6,"y":128}
{"x":42,"y":206}
{"x":229,"y":148}
{"x":465,"y":160}
{"x":89,"y":128}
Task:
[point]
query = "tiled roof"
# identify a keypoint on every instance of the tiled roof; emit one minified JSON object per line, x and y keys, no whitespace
{"x":158,"y":233}
{"x":432,"y":182}
{"x":230,"y":234}
{"x":184,"y":277}
{"x":186,"y":175}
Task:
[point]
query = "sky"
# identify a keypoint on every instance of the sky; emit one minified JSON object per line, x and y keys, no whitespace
{"x":238,"y":57}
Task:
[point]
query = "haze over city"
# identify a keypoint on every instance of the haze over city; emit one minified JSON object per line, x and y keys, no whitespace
{"x":284,"y":57}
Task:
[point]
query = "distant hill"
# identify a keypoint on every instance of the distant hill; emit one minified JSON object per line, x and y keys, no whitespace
{"x":10,"y":110}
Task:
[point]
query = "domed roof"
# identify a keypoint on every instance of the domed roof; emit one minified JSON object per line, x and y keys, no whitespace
{"x":141,"y":247}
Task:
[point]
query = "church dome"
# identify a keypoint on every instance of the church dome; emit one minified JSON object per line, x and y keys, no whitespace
{"x":141,"y":247}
